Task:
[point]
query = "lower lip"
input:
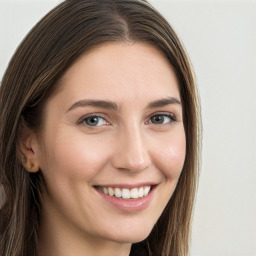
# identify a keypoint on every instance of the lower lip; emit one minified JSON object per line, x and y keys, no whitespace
{"x":129,"y":205}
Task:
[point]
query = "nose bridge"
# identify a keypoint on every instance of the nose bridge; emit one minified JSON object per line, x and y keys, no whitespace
{"x":132,"y":152}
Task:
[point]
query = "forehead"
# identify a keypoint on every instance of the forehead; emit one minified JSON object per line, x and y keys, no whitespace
{"x":120,"y":70}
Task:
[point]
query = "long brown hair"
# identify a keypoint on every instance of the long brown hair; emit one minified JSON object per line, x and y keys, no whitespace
{"x":66,"y":32}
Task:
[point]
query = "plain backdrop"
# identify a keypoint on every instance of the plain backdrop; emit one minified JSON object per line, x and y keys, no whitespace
{"x":220,"y":37}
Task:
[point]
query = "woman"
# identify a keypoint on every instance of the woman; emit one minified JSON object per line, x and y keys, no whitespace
{"x":99,"y":135}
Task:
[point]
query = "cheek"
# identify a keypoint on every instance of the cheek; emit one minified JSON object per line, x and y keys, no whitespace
{"x":74,"y":157}
{"x":171,"y":156}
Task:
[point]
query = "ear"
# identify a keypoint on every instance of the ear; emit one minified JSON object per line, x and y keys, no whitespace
{"x":28,"y":150}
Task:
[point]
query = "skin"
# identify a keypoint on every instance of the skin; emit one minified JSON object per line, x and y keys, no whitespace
{"x":126,"y":147}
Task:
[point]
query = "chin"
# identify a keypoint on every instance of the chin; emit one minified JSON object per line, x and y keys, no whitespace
{"x":131,"y":236}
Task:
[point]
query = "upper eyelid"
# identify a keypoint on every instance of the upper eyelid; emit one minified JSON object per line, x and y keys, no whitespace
{"x":106,"y":117}
{"x":164,"y":113}
{"x":168,"y":114}
{"x":92,"y":115}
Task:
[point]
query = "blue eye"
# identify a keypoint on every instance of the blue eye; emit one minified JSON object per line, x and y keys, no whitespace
{"x":162,"y":119}
{"x":94,"y":121}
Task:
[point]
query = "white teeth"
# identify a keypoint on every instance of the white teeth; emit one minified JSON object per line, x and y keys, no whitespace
{"x":126,"y":193}
{"x":141,"y":192}
{"x":134,"y":193}
{"x":118,"y":192}
{"x":111,"y":191}
{"x":105,"y":190}
{"x":146,"y":190}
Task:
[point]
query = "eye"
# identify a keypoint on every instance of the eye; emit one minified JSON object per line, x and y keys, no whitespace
{"x":162,"y":119}
{"x":94,"y":120}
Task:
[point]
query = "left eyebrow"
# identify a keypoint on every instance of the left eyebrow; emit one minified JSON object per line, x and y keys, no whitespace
{"x":163,"y":102}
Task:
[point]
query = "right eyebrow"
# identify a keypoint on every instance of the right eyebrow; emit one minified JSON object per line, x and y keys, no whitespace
{"x":94,"y":103}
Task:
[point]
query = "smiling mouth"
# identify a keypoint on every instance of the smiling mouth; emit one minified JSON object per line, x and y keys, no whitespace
{"x":125,"y":193}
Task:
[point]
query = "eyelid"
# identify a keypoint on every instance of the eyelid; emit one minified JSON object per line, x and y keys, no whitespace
{"x":169,"y":114}
{"x":81,"y":120}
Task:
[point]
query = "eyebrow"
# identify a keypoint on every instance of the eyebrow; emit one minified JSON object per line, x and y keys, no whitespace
{"x":94,"y":103}
{"x":163,"y":102}
{"x":113,"y":106}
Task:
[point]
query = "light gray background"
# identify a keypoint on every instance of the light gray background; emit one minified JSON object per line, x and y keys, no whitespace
{"x":220,"y":37}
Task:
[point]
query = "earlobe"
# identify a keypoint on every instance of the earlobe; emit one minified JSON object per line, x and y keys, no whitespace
{"x":31,"y":166}
{"x":28,"y":152}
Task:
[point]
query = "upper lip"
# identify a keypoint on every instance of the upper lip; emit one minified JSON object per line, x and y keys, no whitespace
{"x":130,"y":186}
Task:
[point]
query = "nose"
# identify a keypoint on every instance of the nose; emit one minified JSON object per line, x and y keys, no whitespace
{"x":131,"y":152}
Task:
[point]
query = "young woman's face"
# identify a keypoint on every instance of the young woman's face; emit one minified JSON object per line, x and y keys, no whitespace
{"x":113,"y":144}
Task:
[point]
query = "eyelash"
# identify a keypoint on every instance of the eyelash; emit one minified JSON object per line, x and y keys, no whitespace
{"x":169,"y":115}
{"x":83,"y":120}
